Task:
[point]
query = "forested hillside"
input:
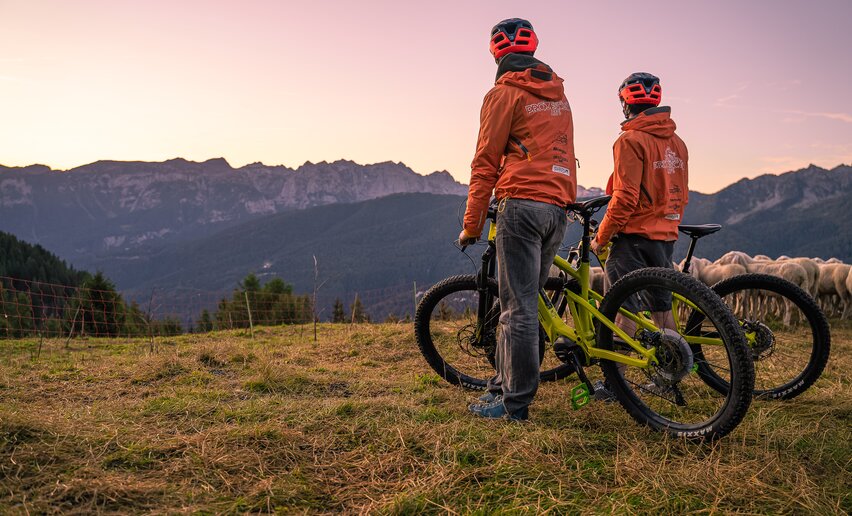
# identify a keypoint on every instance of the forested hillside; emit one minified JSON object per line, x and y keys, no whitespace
{"x":24,"y":261}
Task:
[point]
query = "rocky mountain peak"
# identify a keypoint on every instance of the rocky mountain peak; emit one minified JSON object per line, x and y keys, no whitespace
{"x":113,"y":204}
{"x":29,"y":169}
{"x":796,"y":189}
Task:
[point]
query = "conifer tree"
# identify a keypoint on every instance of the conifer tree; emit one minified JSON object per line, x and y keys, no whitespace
{"x":205,"y":324}
{"x":250,"y":283}
{"x":338,"y":313}
{"x":101,"y":308}
{"x":358,"y":313}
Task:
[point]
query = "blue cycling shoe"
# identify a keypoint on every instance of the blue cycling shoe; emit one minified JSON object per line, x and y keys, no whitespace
{"x":496,"y":410}
{"x":488,"y":397}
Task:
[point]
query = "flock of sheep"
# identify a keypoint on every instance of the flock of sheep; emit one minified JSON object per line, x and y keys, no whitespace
{"x":829,"y":282}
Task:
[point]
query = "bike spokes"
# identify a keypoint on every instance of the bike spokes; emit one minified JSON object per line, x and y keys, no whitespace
{"x":670,"y":393}
{"x":779,"y":337}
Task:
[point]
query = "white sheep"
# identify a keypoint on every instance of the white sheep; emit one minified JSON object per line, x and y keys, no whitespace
{"x":833,"y":294}
{"x":811,"y":267}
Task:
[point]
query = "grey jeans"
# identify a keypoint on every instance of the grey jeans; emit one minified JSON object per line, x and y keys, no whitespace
{"x":528,"y":236}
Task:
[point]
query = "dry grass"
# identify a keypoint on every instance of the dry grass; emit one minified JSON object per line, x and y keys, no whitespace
{"x":357,"y":423}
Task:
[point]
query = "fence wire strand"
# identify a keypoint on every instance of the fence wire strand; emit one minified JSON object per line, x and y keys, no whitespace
{"x":48,"y":310}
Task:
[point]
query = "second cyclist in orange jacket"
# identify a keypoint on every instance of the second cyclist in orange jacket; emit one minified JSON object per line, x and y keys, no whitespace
{"x":649,"y":188}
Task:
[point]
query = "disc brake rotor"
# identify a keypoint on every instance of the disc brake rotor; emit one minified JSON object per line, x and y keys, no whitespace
{"x":469,"y":343}
{"x":764,"y":339}
{"x":674,"y":358}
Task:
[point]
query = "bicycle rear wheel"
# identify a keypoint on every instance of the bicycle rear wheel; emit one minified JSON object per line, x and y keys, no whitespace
{"x":459,"y":347}
{"x":789,"y":336}
{"x":670,"y":395}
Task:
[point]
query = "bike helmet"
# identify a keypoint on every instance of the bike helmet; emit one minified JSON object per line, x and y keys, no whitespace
{"x":639,"y":88}
{"x":512,"y":35}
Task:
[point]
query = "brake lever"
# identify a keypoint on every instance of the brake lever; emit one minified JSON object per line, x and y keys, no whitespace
{"x":464,"y":246}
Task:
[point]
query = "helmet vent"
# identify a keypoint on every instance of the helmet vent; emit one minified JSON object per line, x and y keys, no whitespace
{"x":640,"y":88}
{"x":512,"y":35}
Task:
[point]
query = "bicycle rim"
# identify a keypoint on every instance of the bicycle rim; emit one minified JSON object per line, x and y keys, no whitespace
{"x":456,"y":347}
{"x":787,"y":333}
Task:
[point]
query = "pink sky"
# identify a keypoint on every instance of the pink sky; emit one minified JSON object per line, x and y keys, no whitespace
{"x":755,"y":87}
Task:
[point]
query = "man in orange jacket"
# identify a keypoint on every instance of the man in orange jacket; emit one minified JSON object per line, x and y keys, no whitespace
{"x":525,"y":154}
{"x":649,"y":193}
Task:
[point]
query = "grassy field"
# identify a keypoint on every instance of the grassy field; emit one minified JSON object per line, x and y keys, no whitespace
{"x":356,"y":422}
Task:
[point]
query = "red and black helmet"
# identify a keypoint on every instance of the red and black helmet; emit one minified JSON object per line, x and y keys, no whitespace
{"x":512,"y":35}
{"x":640,"y":88}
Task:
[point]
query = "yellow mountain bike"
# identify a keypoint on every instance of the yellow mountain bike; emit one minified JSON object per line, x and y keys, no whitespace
{"x":654,"y":372}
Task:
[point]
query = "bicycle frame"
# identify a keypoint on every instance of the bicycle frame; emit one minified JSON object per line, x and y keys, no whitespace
{"x":583,"y":312}
{"x":676,"y":299}
{"x":582,"y":308}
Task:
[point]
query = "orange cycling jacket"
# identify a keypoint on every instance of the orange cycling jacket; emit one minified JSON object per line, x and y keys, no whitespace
{"x":525,"y":148}
{"x":649,"y":185}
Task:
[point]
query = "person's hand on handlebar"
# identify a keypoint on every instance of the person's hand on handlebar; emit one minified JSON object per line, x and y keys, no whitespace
{"x":601,"y":251}
{"x":466,"y":240}
{"x":595,"y":246}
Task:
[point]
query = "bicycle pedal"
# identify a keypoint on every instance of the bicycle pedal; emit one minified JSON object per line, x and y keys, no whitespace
{"x":580,"y":396}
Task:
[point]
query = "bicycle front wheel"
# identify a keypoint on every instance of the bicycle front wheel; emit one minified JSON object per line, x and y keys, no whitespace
{"x":460,"y":347}
{"x":670,"y":395}
{"x":787,"y":333}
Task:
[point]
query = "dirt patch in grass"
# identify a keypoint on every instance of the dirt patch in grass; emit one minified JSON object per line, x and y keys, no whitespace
{"x":159,"y":368}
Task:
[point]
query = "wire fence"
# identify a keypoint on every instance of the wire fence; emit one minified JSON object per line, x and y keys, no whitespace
{"x":48,"y":310}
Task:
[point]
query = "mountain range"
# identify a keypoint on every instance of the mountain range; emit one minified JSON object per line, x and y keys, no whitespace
{"x":92,"y":211}
{"x":183,"y":227}
{"x":803,"y":213}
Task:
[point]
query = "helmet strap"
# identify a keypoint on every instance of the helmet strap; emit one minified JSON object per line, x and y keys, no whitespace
{"x":625,"y":107}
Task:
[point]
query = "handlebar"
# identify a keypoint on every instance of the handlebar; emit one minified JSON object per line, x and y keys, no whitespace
{"x":465,"y":246}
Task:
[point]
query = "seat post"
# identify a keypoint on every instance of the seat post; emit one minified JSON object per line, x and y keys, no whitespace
{"x":688,"y":261}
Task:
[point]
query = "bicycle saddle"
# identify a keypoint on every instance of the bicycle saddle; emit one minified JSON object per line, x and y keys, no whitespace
{"x":698,"y":230}
{"x":590,"y":205}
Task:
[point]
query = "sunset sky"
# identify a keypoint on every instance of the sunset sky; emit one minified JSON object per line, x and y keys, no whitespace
{"x":755,"y":86}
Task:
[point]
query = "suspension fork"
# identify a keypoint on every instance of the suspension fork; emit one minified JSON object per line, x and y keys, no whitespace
{"x":486,"y":272}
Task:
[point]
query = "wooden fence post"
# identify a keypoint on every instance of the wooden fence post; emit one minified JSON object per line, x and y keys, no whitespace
{"x":248,"y":307}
